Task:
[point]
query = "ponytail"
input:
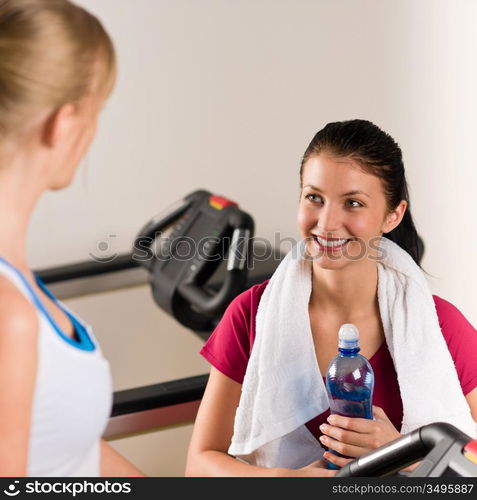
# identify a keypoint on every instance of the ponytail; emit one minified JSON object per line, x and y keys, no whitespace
{"x":51,"y":52}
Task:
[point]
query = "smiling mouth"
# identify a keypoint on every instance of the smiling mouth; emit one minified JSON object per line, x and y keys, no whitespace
{"x":330,"y":243}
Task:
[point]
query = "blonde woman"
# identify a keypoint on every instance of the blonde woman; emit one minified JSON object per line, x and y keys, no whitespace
{"x":57,"y":66}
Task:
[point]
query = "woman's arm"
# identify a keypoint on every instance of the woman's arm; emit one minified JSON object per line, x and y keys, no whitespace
{"x":18,"y":366}
{"x":114,"y":464}
{"x":472,"y":401}
{"x":212,"y":434}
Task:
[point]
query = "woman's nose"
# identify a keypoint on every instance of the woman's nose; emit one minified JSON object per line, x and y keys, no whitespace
{"x":329,"y":219}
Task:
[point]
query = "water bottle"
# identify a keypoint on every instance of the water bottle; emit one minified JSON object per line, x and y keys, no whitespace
{"x":349,"y":380}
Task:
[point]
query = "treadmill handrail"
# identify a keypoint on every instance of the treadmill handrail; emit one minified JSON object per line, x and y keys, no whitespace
{"x":86,"y":269}
{"x":155,"y":396}
{"x":401,"y":452}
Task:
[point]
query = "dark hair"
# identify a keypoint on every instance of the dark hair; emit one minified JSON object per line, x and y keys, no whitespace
{"x":379,"y":154}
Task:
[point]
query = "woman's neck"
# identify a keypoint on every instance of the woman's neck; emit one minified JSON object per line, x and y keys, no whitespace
{"x":350,"y":293}
{"x":18,"y":197}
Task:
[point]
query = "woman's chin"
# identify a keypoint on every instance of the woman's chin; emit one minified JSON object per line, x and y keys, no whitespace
{"x":325,"y":262}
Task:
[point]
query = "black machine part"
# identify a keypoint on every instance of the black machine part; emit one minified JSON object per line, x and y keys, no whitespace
{"x":439,"y":445}
{"x":216,"y":235}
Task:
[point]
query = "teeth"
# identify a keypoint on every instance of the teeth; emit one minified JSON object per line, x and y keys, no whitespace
{"x":327,"y":243}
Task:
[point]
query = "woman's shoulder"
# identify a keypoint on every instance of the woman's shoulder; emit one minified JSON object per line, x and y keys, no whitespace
{"x":455,"y":327}
{"x":18,"y":316}
{"x":461,"y":340}
{"x":240,"y":313}
{"x":249,"y":299}
{"x":229,"y":346}
{"x":450,"y":316}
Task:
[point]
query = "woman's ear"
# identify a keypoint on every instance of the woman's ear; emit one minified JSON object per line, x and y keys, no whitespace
{"x":58,"y":124}
{"x":394,"y":217}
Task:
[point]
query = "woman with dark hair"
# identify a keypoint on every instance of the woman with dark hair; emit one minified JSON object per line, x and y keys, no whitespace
{"x":265,"y":410}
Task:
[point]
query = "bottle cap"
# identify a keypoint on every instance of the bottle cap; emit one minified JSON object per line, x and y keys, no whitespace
{"x":348,"y":337}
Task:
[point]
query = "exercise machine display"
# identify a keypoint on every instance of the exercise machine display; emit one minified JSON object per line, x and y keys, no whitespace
{"x":204,"y":230}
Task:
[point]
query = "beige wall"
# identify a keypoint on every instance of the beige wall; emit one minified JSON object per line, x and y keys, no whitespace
{"x":225,"y":95}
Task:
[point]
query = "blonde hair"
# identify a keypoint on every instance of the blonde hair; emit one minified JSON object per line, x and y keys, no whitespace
{"x":52,"y":52}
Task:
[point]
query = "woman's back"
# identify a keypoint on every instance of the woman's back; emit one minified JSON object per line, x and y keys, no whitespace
{"x":72,"y":393}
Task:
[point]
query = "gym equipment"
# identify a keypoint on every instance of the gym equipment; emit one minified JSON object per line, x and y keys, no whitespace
{"x":444,"y":450}
{"x":204,"y":231}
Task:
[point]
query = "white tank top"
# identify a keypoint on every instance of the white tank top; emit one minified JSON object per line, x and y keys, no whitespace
{"x":73,"y":393}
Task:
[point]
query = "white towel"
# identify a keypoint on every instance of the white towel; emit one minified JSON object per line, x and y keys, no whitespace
{"x":283,"y":388}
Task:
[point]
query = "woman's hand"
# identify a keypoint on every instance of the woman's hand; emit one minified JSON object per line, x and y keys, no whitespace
{"x":339,"y":461}
{"x":315,"y":469}
{"x":354,"y":437}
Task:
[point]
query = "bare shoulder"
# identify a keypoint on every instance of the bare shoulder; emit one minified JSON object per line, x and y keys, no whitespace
{"x":18,"y":316}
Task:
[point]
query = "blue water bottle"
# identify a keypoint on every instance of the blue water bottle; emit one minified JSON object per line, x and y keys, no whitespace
{"x":349,"y":380}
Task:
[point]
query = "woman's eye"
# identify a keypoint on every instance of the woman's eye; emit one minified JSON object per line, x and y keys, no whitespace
{"x":313,"y":197}
{"x":354,"y":203}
